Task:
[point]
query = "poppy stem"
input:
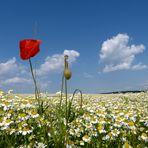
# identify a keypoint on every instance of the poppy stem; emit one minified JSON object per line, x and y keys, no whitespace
{"x":70,"y":102}
{"x":62,"y":87}
{"x":66,"y":101}
{"x":34,"y":80}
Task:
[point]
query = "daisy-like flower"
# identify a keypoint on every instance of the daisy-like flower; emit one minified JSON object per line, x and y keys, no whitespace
{"x":70,"y":144}
{"x":40,"y":145}
{"x":144,"y":137}
{"x":11,"y":131}
{"x":102,"y":120}
{"x":22,"y":124}
{"x":6,"y":106}
{"x":86,"y":139}
{"x":101,"y":114}
{"x":92,"y":111}
{"x":88,"y":125}
{"x":86,"y":116}
{"x":94,"y":133}
{"x":34,"y":114}
{"x":78,"y":120}
{"x":82,"y":142}
{"x":81,"y":129}
{"x":1,"y":121}
{"x":131,"y":125}
{"x":124,"y":139}
{"x":26,"y":104}
{"x":101,"y":129}
{"x":106,"y":137}
{"x":93,"y":120}
{"x":77,"y":132}
{"x":23,"y":116}
{"x":133,"y":118}
{"x":26,"y":130}
{"x":7,"y":122}
{"x":121,"y":114}
{"x":72,"y":132}
{"x":117,"y":124}
{"x":109,"y":136}
{"x":115,"y":132}
{"x":126,"y":145}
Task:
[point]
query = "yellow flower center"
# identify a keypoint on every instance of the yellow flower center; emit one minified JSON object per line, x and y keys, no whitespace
{"x":131,"y":123}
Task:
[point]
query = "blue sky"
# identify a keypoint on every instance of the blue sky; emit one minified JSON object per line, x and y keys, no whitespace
{"x":107,"y":44}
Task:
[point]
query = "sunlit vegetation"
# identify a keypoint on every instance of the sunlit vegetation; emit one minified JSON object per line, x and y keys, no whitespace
{"x":115,"y":120}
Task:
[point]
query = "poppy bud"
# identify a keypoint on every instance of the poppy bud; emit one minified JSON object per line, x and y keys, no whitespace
{"x":67,"y":73}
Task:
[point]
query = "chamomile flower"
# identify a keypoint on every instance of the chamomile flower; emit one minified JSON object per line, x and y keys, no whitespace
{"x":40,"y":145}
{"x":144,"y":137}
{"x":86,"y":139}
{"x":25,"y":131}
{"x":88,"y":125}
{"x":93,"y":120}
{"x":117,"y":124}
{"x":102,"y":120}
{"x":115,"y":132}
{"x":25,"y":104}
{"x":7,"y":122}
{"x":82,"y":143}
{"x":23,"y":116}
{"x":72,"y":132}
{"x":101,"y":129}
{"x":126,"y":145}
{"x":34,"y":114}
{"x":131,"y":125}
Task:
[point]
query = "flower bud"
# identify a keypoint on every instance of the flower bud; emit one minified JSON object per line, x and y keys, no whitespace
{"x":67,"y":73}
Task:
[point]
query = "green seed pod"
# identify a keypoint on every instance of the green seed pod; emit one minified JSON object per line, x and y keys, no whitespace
{"x":67,"y":73}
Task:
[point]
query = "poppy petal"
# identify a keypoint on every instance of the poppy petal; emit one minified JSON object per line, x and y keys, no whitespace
{"x":29,"y":48}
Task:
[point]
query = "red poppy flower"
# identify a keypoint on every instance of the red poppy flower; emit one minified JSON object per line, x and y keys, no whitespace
{"x":29,"y":48}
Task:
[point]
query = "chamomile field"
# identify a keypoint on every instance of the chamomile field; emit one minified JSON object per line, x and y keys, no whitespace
{"x":73,"y":74}
{"x":93,"y":121}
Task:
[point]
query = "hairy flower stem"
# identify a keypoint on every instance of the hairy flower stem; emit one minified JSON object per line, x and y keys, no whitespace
{"x":34,"y":80}
{"x":62,"y":87}
{"x":66,"y":101}
{"x":70,"y":102}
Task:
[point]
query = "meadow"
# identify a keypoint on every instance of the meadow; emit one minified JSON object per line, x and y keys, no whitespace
{"x":97,"y":121}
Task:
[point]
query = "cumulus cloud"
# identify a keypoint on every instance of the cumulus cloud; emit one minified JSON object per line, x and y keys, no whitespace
{"x":117,"y":54}
{"x":11,"y":67}
{"x":17,"y":76}
{"x":55,"y":62}
{"x":139,"y":66}
{"x":8,"y":66}
{"x":17,"y":80}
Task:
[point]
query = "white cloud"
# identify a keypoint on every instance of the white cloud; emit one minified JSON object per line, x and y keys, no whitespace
{"x":117,"y":54}
{"x":8,"y":66}
{"x":11,"y":67}
{"x":56,"y":62}
{"x":16,"y":80}
{"x":73,"y":55}
{"x":18,"y":76}
{"x":139,"y":66}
